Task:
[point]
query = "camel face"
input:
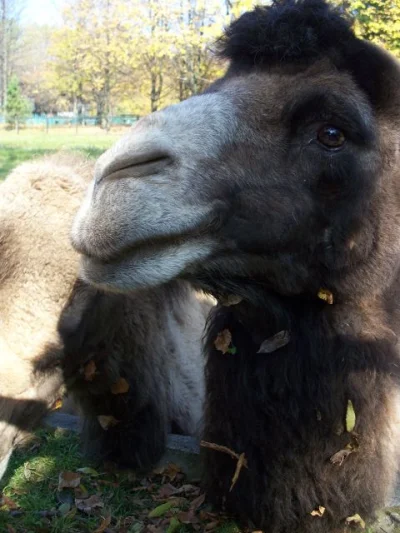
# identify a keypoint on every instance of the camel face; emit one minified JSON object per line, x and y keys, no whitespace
{"x":243,"y":180}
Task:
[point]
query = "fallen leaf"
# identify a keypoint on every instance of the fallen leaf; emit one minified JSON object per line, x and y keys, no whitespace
{"x":240,"y":464}
{"x":191,"y":490}
{"x":5,"y":501}
{"x":356,"y":520}
{"x":279,"y":340}
{"x":161,"y":510}
{"x":68,"y":480}
{"x":188,"y":517}
{"x":107,"y":421}
{"x":171,"y":470}
{"x":197,"y":502}
{"x":167,"y":490}
{"x":212,"y":525}
{"x":120,"y":387}
{"x":326,"y":296}
{"x":88,"y":504}
{"x":223,"y":341}
{"x":10,"y":529}
{"x":87,"y":470}
{"x":105,"y":522}
{"x":90,"y":370}
{"x":350,"y":417}
{"x":174,"y":525}
{"x":64,"y":509}
{"x":318,"y":512}
{"x":81,"y":492}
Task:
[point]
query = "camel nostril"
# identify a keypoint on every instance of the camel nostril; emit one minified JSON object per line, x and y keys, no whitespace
{"x":135,"y":167}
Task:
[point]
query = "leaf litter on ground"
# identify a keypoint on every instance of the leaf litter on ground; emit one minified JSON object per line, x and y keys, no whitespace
{"x":103,"y":499}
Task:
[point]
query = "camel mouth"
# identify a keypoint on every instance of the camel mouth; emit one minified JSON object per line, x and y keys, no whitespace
{"x":146,"y":265}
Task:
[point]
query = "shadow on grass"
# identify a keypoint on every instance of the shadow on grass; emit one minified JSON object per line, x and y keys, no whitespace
{"x":12,"y":156}
{"x":35,"y":505}
{"x":31,"y":483}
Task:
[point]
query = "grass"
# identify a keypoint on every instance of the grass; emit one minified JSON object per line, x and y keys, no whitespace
{"x":16,"y":148}
{"x":33,"y":503}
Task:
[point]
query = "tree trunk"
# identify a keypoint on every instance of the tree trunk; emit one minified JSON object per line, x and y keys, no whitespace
{"x":4,"y":73}
{"x":17,"y":125}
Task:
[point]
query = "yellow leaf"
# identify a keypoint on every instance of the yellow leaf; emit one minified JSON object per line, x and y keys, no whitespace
{"x":350,"y":417}
{"x":120,"y":387}
{"x":326,"y":296}
{"x":318,"y":512}
{"x":356,"y":520}
{"x":56,"y":405}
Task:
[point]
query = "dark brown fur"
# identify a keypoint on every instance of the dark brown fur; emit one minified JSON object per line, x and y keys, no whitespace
{"x":283,"y":410}
{"x":247,"y":201}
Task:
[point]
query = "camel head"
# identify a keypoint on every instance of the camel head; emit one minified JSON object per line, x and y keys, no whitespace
{"x":282,"y":175}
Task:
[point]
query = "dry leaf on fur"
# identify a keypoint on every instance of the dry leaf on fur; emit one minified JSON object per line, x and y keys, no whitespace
{"x":88,"y":504}
{"x":240,"y":464}
{"x":279,"y":340}
{"x":68,"y":480}
{"x":318,"y":512}
{"x":339,"y":457}
{"x":350,"y":417}
{"x":326,"y":296}
{"x":90,"y":370}
{"x":230,"y":299}
{"x":107,"y":421}
{"x":120,"y":387}
{"x":356,"y":520}
{"x":57,"y":405}
{"x":223,"y":341}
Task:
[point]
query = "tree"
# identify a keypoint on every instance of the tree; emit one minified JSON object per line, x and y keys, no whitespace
{"x":9,"y":40}
{"x":90,"y":52}
{"x":31,"y":68}
{"x":376,"y":20}
{"x":17,"y":106}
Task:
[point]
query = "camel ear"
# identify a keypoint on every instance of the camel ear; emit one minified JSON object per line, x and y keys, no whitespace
{"x":376,"y":71}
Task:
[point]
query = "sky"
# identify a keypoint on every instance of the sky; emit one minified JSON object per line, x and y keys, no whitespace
{"x":41,"y":11}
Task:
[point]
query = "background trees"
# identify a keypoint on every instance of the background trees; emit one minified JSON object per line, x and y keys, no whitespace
{"x":134,"y":56}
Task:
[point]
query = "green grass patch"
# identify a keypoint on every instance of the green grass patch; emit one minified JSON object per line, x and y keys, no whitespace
{"x":33,"y":503}
{"x":17,"y":148}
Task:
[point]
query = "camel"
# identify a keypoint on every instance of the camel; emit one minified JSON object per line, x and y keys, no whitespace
{"x":132,"y":364}
{"x":277,"y":190}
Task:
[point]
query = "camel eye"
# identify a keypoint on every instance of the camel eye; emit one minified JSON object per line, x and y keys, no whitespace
{"x":331,"y":137}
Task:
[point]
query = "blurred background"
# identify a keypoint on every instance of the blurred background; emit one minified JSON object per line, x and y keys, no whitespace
{"x":76,"y":73}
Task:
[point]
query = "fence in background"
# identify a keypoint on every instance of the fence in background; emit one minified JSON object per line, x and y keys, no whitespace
{"x":47,"y":121}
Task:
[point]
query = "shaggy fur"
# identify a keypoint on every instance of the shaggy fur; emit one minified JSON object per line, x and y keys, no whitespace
{"x":52,"y":325}
{"x":286,"y":216}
